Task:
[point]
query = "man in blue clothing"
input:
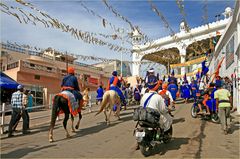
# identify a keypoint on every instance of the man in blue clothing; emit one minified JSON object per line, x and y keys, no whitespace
{"x":185,"y":91}
{"x":172,"y":78}
{"x":115,"y":84}
{"x":194,"y":89}
{"x":70,"y":83}
{"x":100,"y":93}
{"x":173,"y":89}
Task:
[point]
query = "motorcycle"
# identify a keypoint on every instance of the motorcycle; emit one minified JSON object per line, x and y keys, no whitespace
{"x":149,"y":136}
{"x":212,"y":107}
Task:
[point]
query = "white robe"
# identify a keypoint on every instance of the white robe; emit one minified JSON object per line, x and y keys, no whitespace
{"x":157,"y":102}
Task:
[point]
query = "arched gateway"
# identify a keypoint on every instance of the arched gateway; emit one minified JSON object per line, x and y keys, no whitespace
{"x":178,"y":49}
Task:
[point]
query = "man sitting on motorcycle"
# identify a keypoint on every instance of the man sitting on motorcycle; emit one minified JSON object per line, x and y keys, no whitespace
{"x":208,"y":98}
{"x":156,"y":102}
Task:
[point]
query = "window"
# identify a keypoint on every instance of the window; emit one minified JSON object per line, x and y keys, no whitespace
{"x":37,"y":77}
{"x":32,"y":65}
{"x":49,"y":68}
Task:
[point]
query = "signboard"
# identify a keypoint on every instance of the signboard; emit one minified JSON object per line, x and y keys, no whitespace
{"x":93,"y":80}
{"x":230,"y":52}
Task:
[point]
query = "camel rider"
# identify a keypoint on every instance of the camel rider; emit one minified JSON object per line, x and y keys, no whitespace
{"x":70,"y":83}
{"x":115,"y":84}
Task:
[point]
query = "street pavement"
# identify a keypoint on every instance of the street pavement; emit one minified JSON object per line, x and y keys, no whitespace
{"x":192,"y":138}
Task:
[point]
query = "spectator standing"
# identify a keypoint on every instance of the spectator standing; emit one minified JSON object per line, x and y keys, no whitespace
{"x":30,"y":101}
{"x":18,"y":110}
{"x":25,"y":104}
{"x":224,"y":105}
{"x":227,"y":84}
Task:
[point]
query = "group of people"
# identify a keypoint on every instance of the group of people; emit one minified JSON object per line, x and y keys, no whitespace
{"x":163,"y":99}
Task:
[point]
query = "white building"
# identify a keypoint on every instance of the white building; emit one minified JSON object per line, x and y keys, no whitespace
{"x":178,"y":49}
{"x":228,"y":47}
{"x":115,"y":66}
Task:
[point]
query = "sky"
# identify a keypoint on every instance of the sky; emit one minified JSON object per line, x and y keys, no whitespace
{"x":71,"y":12}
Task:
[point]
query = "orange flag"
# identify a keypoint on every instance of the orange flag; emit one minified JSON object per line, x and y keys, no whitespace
{"x":218,"y":67}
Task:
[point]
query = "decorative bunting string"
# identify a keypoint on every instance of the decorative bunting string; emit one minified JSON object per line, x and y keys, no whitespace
{"x":87,"y":37}
{"x":145,"y":37}
{"x":117,"y":14}
{"x":40,"y":51}
{"x":205,"y":10}
{"x":167,"y":25}
{"x":105,"y":22}
{"x":181,"y":7}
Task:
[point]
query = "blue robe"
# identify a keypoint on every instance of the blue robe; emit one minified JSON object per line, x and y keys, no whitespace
{"x":117,"y":89}
{"x":185,"y":91}
{"x":211,"y":103}
{"x":100,"y":93}
{"x":137,"y":95}
{"x":194,"y":90}
{"x":173,"y":89}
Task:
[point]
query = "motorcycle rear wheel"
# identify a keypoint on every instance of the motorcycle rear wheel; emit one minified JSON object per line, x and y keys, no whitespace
{"x":146,"y":150}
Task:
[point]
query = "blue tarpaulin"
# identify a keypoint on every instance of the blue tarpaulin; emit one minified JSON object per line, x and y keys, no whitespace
{"x":6,"y":82}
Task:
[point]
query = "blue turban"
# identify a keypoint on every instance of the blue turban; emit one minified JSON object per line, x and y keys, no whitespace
{"x":152,"y":82}
{"x":218,"y":83}
{"x":114,"y":73}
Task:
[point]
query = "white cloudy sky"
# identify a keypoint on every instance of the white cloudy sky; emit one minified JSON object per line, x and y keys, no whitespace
{"x":72,"y":13}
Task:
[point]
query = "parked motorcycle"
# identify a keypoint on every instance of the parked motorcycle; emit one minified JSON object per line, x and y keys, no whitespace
{"x":149,"y":136}
{"x":212,"y":107}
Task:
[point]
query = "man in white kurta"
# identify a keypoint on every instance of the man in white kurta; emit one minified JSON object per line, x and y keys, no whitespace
{"x":157,"y":102}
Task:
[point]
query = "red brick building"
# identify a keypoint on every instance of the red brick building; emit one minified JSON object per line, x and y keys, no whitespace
{"x":42,"y":72}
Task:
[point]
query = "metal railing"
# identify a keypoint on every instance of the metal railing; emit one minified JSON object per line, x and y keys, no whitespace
{"x":48,"y":107}
{"x":4,"y":111}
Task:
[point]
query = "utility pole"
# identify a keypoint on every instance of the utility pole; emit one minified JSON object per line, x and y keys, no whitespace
{"x":121,"y":32}
{"x":121,"y":63}
{"x":66,"y":58}
{"x":168,"y":67}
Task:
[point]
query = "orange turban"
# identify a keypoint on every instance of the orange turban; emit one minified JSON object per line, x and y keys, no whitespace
{"x":71,"y":70}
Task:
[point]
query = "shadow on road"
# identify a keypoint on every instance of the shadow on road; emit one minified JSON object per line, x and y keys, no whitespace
{"x":175,"y":144}
{"x":93,"y":129}
{"x":100,"y":126}
{"x":234,"y":127}
{"x":200,"y":138}
{"x":20,"y":153}
{"x":181,"y":120}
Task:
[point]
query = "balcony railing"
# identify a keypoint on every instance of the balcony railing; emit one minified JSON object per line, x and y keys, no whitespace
{"x":36,"y":53}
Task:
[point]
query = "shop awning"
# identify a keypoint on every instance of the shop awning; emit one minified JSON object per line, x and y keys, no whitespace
{"x":6,"y":82}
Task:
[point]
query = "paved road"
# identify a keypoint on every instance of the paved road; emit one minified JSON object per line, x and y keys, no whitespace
{"x":192,"y":138}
